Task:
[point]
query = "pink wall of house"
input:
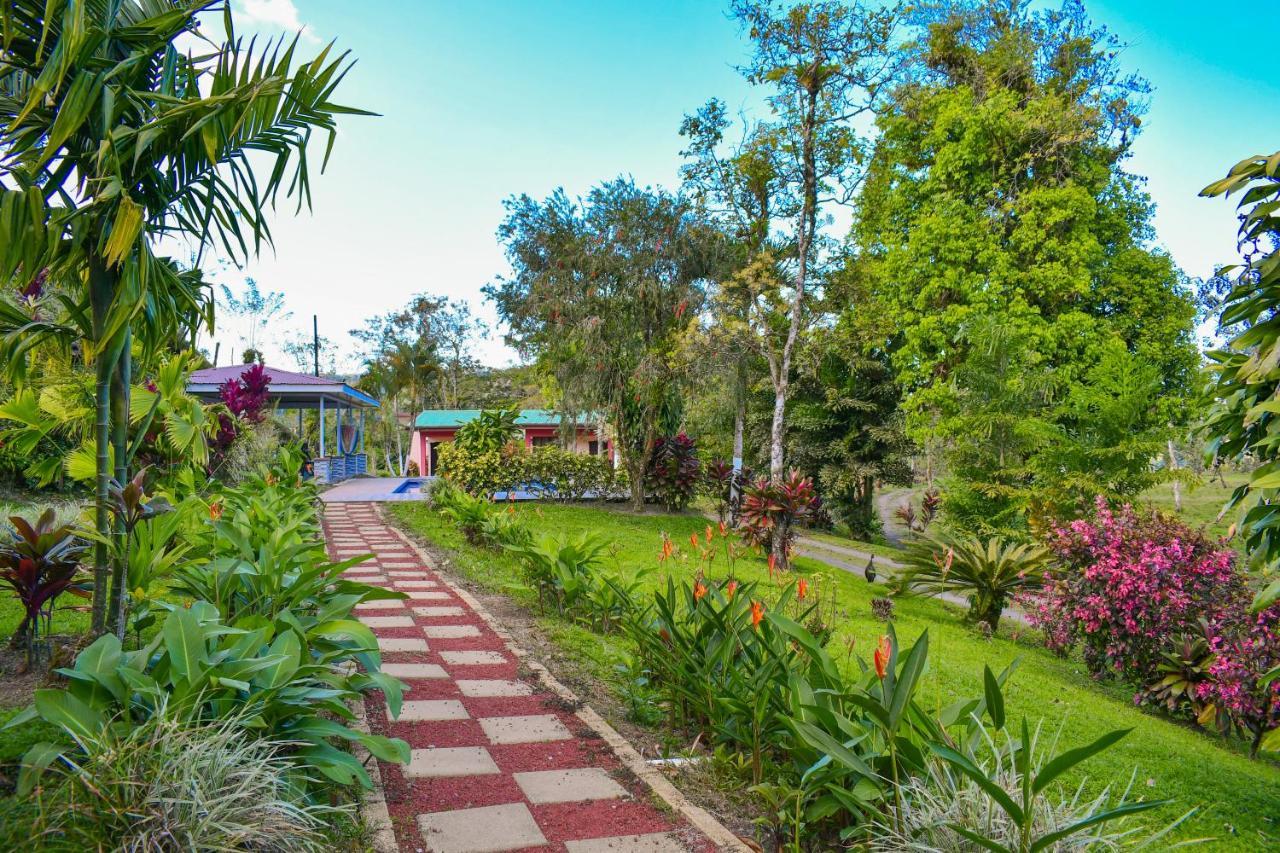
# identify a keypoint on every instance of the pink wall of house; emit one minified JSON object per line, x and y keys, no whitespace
{"x":420,"y":445}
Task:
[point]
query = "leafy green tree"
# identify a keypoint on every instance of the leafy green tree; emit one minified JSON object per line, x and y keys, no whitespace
{"x":845,"y":428}
{"x":1244,"y":421}
{"x":601,"y":293}
{"x":996,"y":195}
{"x":825,"y":65}
{"x":111,"y":138}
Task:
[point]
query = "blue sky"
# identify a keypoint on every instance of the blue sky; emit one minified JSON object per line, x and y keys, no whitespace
{"x":482,"y":100}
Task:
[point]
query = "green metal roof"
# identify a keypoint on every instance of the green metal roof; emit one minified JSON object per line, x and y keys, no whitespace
{"x":449,"y":418}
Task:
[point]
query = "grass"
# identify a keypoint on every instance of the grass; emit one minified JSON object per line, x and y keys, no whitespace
{"x":1201,"y":504}
{"x":1238,"y":799}
{"x":880,"y":549}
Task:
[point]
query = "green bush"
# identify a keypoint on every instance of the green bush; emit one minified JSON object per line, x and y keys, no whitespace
{"x":283,"y":683}
{"x":546,"y":471}
{"x":989,"y":571}
{"x":482,"y":473}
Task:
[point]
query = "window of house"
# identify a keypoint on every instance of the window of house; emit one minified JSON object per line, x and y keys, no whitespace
{"x":593,"y":447}
{"x":543,"y":440}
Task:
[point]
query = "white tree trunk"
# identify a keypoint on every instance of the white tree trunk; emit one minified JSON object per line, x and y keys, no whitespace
{"x":1177,"y":486}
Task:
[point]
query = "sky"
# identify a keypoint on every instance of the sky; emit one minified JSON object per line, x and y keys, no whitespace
{"x":479,"y":101}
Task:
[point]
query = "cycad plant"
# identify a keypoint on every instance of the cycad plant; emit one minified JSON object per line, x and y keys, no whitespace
{"x":989,"y":571}
{"x":112,"y":138}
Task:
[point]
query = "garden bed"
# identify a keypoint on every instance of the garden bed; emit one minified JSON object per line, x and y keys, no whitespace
{"x":1238,"y":798}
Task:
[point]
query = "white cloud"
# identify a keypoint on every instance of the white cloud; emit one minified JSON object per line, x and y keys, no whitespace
{"x":272,"y":14}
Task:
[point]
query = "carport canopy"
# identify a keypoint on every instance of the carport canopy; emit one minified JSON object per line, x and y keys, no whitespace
{"x":288,"y":390}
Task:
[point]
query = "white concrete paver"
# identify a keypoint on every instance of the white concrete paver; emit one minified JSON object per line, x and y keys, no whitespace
{"x":488,"y":829}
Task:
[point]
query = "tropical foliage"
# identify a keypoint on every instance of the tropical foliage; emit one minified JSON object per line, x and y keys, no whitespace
{"x":77,"y":228}
{"x":990,"y":573}
{"x":1242,"y":421}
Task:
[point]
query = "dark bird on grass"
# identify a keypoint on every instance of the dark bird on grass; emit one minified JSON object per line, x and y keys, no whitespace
{"x":870,"y":571}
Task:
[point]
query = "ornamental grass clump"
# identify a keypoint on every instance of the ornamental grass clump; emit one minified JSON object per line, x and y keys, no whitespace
{"x":172,"y":783}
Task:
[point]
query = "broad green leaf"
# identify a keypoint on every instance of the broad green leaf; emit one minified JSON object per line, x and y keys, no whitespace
{"x":62,"y":709}
{"x":34,"y":762}
{"x":994,"y":697}
{"x":184,"y":642}
{"x":1072,"y":757}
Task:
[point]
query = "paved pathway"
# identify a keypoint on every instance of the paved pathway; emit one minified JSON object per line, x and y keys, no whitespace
{"x":498,"y":763}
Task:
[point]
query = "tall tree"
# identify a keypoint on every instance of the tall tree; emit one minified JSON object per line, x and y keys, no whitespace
{"x":257,"y":310}
{"x":740,"y":189}
{"x":111,"y":137}
{"x":826,"y":66}
{"x":600,"y":294}
{"x":846,"y":428}
{"x":997,"y":197}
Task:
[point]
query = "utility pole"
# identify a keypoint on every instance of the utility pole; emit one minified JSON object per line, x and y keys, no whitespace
{"x":217,"y":347}
{"x":315,"y":341}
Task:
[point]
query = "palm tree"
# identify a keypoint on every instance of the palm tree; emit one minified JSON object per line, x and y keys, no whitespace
{"x":110,"y":139}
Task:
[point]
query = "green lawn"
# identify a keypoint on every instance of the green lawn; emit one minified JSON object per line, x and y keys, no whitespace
{"x":1201,"y":503}
{"x":1239,"y":799}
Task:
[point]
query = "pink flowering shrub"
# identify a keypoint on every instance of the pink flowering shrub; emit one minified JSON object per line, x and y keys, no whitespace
{"x":1129,"y":586}
{"x":1126,"y":583}
{"x":1242,"y":697}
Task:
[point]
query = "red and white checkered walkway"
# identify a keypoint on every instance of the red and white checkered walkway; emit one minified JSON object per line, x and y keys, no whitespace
{"x":498,"y":761}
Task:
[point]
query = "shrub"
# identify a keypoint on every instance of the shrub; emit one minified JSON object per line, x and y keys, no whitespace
{"x":1243,"y":686}
{"x":284,"y":683}
{"x":1126,"y":583}
{"x":561,"y":569}
{"x":490,"y":431}
{"x":483,"y":473}
{"x":40,"y":562}
{"x":990,"y":572}
{"x":999,"y":796}
{"x":771,"y":510}
{"x":565,"y":475}
{"x":469,"y":513}
{"x":717,"y":482}
{"x":673,"y":471}
{"x":170,"y":784}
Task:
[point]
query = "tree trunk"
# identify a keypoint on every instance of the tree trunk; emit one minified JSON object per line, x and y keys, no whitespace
{"x":739,"y":427}
{"x":120,"y":380}
{"x":102,"y":286}
{"x":804,"y":239}
{"x":1177,"y":486}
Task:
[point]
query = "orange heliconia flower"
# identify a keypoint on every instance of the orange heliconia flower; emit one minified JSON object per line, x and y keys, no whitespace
{"x":773,"y":563}
{"x":757,"y":614}
{"x":708,"y":534}
{"x":881,"y":657}
{"x":802,"y":590}
{"x":731,"y":589}
{"x":693,"y":540}
{"x":667,"y":548}
{"x":724,"y":531}
{"x":215,"y":510}
{"x":699,"y":590}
